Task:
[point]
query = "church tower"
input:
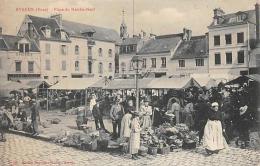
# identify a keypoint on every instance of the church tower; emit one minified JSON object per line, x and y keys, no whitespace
{"x":123,"y":27}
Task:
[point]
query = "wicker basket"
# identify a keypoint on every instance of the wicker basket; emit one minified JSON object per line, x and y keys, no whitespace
{"x":164,"y":150}
{"x":152,"y":150}
{"x":125,"y":148}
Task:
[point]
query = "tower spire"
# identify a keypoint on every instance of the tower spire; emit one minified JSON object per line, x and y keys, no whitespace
{"x":123,"y":27}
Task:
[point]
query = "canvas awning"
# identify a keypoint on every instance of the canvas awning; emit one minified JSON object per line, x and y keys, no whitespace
{"x":74,"y":83}
{"x":255,"y":77}
{"x":7,"y":86}
{"x":172,"y":83}
{"x":127,"y":84}
{"x":102,"y":83}
{"x":206,"y":81}
{"x":244,"y":79}
{"x":36,"y":83}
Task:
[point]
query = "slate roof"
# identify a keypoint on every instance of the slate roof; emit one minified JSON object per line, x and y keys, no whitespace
{"x":10,"y":43}
{"x":102,"y":34}
{"x":228,"y":17}
{"x":196,"y":47}
{"x":3,"y":45}
{"x":161,"y":44}
{"x":130,"y":41}
{"x":73,"y":29}
{"x":39,"y":22}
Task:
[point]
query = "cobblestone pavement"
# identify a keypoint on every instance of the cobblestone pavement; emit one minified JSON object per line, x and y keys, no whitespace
{"x":19,"y":150}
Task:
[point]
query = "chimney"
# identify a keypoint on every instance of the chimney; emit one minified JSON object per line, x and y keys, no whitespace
{"x":58,"y":18}
{"x":186,"y":34}
{"x":218,"y":16}
{"x":257,"y":16}
{"x":1,"y":30}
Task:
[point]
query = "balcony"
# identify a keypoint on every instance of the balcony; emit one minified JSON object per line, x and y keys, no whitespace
{"x":91,"y":42}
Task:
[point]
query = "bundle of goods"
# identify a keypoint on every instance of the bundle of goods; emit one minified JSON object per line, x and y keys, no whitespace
{"x":143,"y":151}
{"x":81,"y":120}
{"x":178,"y":136}
{"x":18,"y":125}
{"x":55,"y":121}
{"x":163,"y":148}
{"x":27,"y":127}
{"x":72,"y":140}
{"x":102,"y":141}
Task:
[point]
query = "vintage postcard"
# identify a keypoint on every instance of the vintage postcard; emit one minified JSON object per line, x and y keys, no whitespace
{"x":129,"y":82}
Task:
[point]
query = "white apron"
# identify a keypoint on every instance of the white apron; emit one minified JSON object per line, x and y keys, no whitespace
{"x":213,"y":138}
{"x":125,"y":126}
{"x":134,"y":142}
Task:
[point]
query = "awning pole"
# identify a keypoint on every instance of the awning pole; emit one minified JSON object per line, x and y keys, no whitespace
{"x":86,"y":100}
{"x":47,"y":107}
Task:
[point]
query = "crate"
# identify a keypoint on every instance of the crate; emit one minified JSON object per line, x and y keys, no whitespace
{"x":152,"y":150}
{"x":164,"y":150}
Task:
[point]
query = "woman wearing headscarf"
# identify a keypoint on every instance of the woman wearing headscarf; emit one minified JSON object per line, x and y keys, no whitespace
{"x":213,"y":139}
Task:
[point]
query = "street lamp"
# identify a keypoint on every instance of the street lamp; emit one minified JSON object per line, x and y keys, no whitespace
{"x":137,"y":66}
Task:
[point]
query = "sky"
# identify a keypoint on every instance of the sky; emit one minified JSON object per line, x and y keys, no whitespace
{"x":152,"y":16}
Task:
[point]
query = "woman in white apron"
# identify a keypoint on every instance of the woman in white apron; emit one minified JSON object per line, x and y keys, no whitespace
{"x":213,"y":139}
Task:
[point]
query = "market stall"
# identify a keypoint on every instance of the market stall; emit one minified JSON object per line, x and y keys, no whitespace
{"x":8,"y":86}
{"x":70,"y":92}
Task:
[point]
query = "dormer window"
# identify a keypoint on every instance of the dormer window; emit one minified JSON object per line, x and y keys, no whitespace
{"x":47,"y":33}
{"x":24,"y":47}
{"x":241,"y":16}
{"x":63,"y":35}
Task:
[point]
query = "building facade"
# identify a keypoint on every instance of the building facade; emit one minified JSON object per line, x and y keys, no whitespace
{"x":190,"y":57}
{"x":71,"y":50}
{"x":231,"y":40}
{"x":19,"y":58}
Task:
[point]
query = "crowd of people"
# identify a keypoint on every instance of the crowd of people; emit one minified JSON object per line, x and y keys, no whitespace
{"x":218,"y":114}
{"x":17,"y":109}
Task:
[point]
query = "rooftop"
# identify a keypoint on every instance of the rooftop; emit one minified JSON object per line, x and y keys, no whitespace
{"x":73,"y":29}
{"x":10,"y":43}
{"x":196,"y":47}
{"x":231,"y":19}
{"x":161,"y":44}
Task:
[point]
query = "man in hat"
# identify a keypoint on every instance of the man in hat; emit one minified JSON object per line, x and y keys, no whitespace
{"x":146,"y":113}
{"x":92,"y":102}
{"x":35,"y":117}
{"x":97,"y":114}
{"x":244,"y":123}
{"x":116,"y":114}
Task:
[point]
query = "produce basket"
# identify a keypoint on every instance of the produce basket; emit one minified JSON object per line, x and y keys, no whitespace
{"x":143,"y":151}
{"x":152,"y":150}
{"x":164,"y":150}
{"x":124,"y":148}
{"x":102,"y":145}
{"x":92,"y":146}
{"x":189,"y":145}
